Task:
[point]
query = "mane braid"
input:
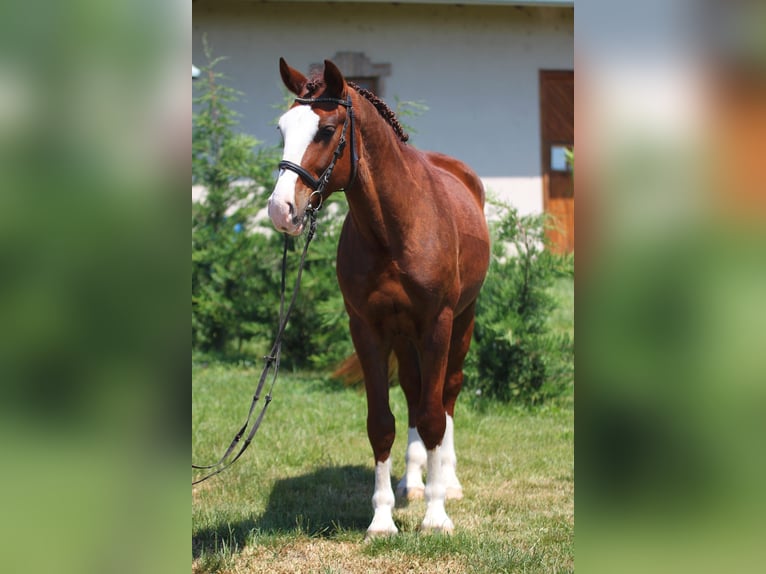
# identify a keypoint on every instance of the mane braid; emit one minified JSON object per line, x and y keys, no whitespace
{"x":383,"y":110}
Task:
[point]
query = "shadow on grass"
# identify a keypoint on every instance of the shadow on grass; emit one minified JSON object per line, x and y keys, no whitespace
{"x":322,"y":503}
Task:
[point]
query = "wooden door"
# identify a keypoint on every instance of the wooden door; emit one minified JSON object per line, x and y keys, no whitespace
{"x":557,"y":134}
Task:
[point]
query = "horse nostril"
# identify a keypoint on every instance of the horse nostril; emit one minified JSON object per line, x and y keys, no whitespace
{"x":291,"y":207}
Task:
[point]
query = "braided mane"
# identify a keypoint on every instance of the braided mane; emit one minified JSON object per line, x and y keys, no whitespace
{"x":385,"y":112}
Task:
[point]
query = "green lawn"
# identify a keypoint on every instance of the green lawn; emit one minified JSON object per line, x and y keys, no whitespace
{"x":299,"y":500}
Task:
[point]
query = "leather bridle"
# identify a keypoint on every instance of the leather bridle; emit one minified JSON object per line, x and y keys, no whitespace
{"x":318,"y":185}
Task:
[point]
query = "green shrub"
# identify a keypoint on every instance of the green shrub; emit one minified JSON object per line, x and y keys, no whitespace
{"x":236,"y":260}
{"x":516,"y":354}
{"x":228,"y":278}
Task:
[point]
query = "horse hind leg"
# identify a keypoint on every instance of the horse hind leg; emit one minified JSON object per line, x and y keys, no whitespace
{"x":462,"y":331}
{"x":411,"y":486}
{"x":454,"y":490}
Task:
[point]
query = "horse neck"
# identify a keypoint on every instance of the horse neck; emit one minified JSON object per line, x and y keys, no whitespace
{"x":376,"y":201}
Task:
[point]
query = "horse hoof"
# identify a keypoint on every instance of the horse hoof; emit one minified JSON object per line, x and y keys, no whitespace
{"x":445,"y":528}
{"x":454,"y":493}
{"x":413,"y":493}
{"x":436,"y":521}
{"x":380,"y":533}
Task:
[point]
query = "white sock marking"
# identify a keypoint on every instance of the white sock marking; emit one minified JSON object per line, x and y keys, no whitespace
{"x":411,"y":485}
{"x":449,"y":461}
{"x":382,"y":501}
{"x":436,"y":518}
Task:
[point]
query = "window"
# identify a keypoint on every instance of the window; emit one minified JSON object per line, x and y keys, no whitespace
{"x":366,"y":82}
{"x":358,"y":68}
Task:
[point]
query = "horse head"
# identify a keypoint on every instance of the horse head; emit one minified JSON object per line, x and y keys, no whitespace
{"x":315,"y":161}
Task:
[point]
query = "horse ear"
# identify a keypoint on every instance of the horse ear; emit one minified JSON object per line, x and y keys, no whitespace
{"x":333,"y":80}
{"x":293,"y":79}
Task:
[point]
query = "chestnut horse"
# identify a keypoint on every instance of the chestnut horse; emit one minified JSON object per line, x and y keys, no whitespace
{"x":412,"y":257}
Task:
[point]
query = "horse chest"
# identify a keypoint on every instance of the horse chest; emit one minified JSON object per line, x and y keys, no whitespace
{"x":383,"y":298}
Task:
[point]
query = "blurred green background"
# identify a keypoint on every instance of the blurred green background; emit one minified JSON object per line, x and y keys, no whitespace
{"x":671,"y":287}
{"x":94,"y":148}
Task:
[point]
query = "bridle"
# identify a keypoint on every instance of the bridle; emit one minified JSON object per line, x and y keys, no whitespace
{"x":318,"y":185}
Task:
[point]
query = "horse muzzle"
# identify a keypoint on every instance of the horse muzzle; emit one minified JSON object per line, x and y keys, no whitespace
{"x":285,"y":217}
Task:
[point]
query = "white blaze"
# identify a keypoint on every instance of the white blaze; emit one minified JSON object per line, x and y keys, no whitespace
{"x":298,"y":126}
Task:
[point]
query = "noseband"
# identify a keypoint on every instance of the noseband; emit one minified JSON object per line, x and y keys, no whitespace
{"x":318,"y":185}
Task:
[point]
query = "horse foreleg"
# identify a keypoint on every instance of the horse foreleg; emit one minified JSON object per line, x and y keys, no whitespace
{"x":381,"y":426}
{"x":432,"y":422}
{"x":436,"y":519}
{"x":381,"y":429}
{"x":382,"y":502}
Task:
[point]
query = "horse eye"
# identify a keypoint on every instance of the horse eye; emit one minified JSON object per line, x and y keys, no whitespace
{"x":326,"y":131}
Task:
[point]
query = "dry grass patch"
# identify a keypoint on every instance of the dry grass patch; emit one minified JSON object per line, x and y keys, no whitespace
{"x":300,"y":500}
{"x":331,"y":557}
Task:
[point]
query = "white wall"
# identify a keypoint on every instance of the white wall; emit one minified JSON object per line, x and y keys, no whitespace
{"x":476,"y":67}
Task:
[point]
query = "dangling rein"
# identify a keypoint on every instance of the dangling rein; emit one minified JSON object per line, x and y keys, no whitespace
{"x":272,"y":359}
{"x":318,"y":186}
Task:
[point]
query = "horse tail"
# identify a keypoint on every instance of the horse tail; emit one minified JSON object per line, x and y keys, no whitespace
{"x":349,"y":370}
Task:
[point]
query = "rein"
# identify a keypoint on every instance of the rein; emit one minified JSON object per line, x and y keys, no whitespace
{"x":272,"y":359}
{"x":318,"y":185}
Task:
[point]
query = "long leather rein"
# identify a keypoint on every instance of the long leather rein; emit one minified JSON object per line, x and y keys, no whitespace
{"x":272,"y":359}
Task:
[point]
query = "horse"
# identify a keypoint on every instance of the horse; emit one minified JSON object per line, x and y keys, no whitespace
{"x":412,"y":256}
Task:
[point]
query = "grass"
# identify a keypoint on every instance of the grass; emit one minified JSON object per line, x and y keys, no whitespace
{"x":299,"y":499}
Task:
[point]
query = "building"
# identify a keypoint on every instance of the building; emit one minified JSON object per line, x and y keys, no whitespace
{"x":497,"y":77}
